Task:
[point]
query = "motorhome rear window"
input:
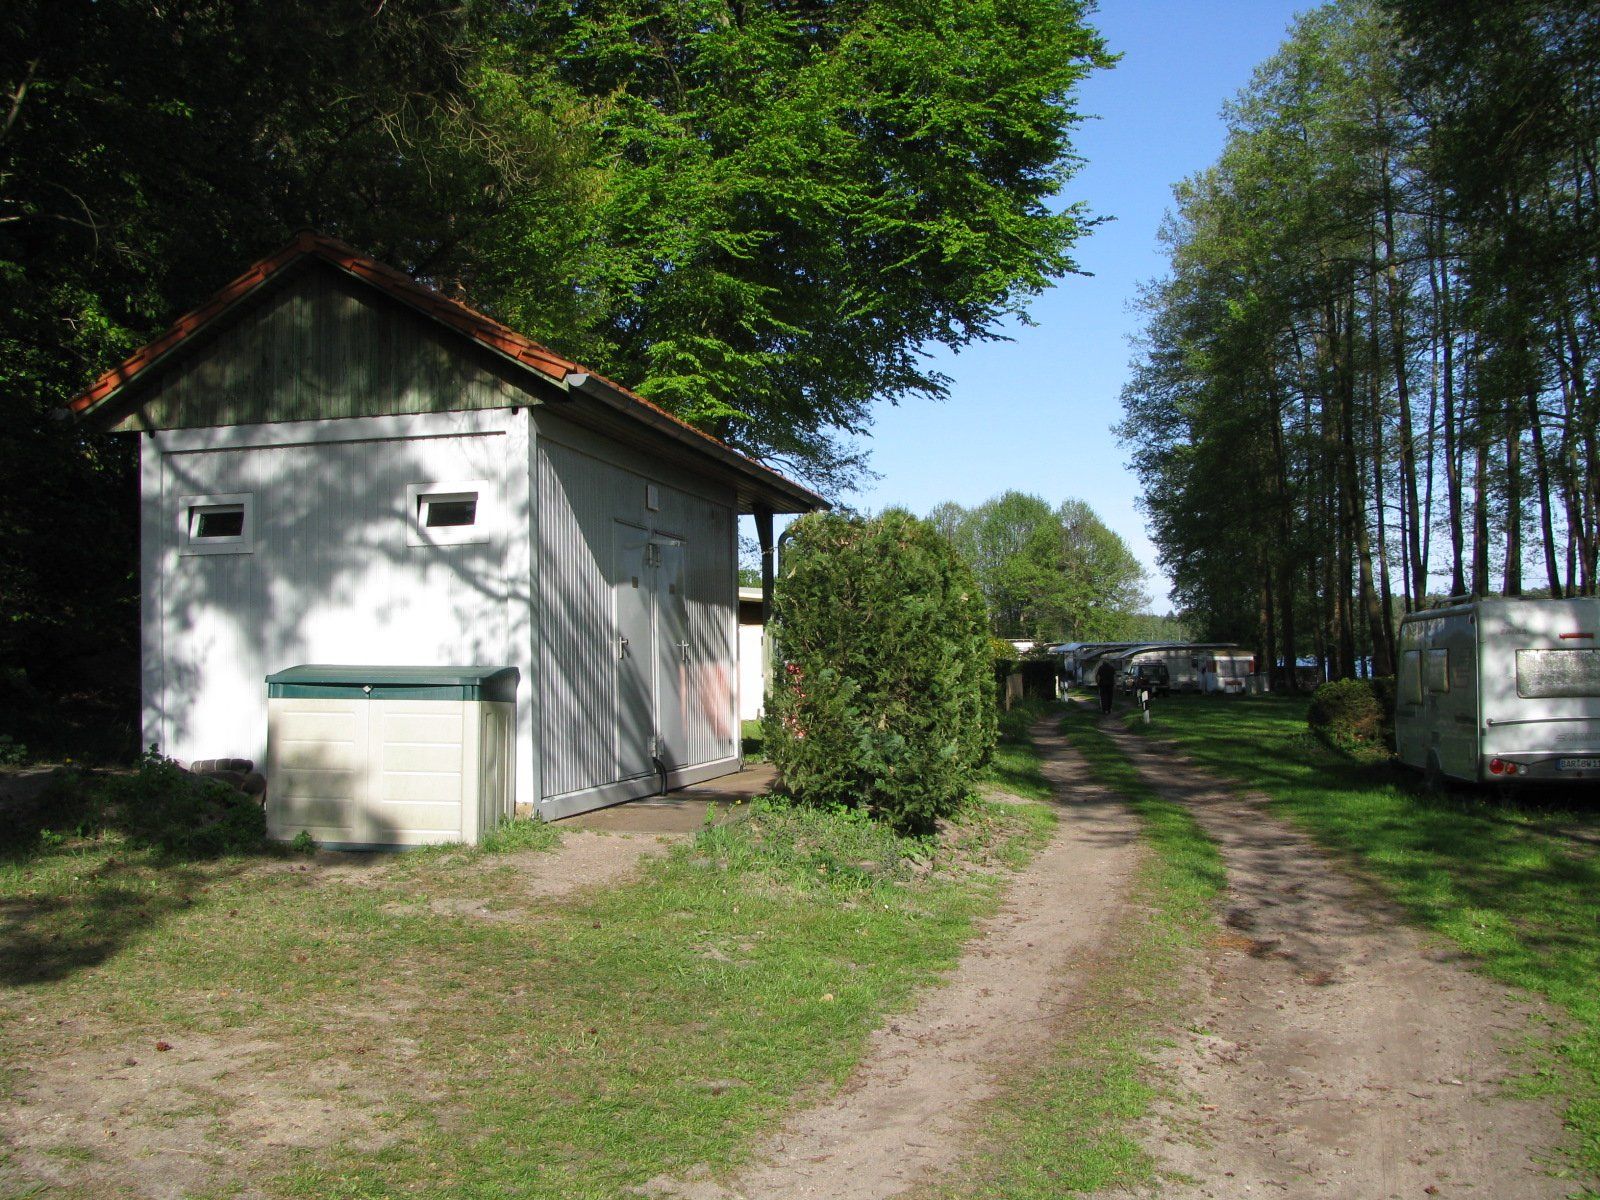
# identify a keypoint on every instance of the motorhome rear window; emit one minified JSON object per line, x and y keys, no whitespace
{"x":1411,"y":677}
{"x":1436,"y":670}
{"x":1547,"y":674}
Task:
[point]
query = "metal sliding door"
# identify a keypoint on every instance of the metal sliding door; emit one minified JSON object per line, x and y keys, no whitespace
{"x":652,"y":651}
{"x":635,"y":650}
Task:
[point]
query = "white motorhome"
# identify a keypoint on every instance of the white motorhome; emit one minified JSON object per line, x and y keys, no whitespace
{"x":1501,"y":691}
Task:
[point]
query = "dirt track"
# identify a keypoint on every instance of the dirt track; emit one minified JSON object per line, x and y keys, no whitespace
{"x":1330,"y":1050}
{"x":1334,"y":1051}
{"x":903,"y":1113}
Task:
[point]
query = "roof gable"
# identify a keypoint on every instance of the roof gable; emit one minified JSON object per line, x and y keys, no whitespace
{"x":275,"y":344}
{"x":314,"y":344}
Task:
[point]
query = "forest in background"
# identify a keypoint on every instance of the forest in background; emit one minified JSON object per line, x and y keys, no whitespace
{"x":1370,"y":376}
{"x":1052,"y":574}
{"x":755,"y":213}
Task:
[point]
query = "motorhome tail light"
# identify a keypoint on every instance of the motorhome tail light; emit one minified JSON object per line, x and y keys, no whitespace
{"x":1499,"y":766}
{"x":1572,"y":637}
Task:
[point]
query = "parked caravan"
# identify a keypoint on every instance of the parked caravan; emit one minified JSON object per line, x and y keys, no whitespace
{"x":1501,"y":691}
{"x":1225,"y":670}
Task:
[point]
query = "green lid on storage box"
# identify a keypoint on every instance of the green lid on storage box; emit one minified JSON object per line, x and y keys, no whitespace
{"x":394,"y":683}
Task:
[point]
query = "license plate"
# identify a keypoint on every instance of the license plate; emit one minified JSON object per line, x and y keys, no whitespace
{"x":1578,"y":764}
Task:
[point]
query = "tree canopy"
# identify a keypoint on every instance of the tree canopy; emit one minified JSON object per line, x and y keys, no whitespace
{"x":1369,"y":375}
{"x":757,"y":214}
{"x":1050,"y":574}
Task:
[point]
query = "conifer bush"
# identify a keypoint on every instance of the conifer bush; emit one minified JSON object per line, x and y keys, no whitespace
{"x":1354,"y":715}
{"x":882,"y":690}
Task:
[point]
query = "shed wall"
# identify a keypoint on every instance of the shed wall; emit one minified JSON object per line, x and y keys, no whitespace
{"x":585,"y":485}
{"x":332,"y":576}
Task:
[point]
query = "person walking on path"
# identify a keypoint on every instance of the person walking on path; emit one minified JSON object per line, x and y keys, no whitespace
{"x":1106,"y":680}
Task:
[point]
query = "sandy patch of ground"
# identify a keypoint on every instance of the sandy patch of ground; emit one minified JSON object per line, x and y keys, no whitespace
{"x":1336,"y":1051}
{"x":588,"y":859}
{"x":903,"y":1113}
{"x":142,"y":1121}
{"x":208,"y":1112}
{"x":584,"y":859}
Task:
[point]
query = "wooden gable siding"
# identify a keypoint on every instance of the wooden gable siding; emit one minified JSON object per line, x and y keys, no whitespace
{"x":321,"y":346}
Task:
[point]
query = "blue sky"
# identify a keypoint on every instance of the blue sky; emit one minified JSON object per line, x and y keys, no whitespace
{"x":1035,"y":413}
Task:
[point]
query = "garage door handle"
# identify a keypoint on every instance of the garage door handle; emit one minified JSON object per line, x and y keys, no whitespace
{"x":684,"y":648}
{"x":622,"y":647}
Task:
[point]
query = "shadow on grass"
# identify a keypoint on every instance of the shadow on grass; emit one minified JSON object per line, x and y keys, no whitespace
{"x":92,"y":861}
{"x":48,"y":938}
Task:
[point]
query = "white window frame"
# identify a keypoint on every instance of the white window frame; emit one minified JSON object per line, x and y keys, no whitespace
{"x":189,"y":512}
{"x":485,"y":515}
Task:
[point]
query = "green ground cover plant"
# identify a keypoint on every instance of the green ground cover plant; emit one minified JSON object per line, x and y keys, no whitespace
{"x":1064,"y":1128}
{"x":1014,"y":764}
{"x":464,"y":1037}
{"x":1513,"y":882}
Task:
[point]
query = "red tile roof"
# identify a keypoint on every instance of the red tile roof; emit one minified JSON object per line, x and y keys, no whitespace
{"x":452,"y":313}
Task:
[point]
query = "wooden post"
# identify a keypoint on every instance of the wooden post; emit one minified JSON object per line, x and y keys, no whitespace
{"x":764,"y":536}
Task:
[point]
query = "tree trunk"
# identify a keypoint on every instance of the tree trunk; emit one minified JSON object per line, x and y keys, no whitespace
{"x":1266,"y":642}
{"x":1439,"y":281}
{"x":1513,"y":571}
{"x":1480,"y":517}
{"x":1285,"y":547}
{"x":1384,"y":632}
{"x":1417,"y":579}
{"x":1542,"y":475}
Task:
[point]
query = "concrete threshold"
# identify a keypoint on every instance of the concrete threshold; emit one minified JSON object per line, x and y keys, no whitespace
{"x":682,"y":811}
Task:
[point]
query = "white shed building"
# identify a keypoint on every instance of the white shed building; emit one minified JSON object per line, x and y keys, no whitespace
{"x":339,"y":465}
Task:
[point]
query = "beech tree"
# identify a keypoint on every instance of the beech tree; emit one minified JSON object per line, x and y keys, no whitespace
{"x":757,"y":214}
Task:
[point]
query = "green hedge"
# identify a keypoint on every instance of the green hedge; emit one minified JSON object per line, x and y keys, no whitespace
{"x":1354,"y":715}
{"x":882,"y":682}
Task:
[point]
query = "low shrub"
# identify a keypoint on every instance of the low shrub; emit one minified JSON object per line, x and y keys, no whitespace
{"x":1354,"y":715}
{"x":881,"y":694}
{"x":12,"y":752}
{"x":164,"y":807}
{"x":159,"y":807}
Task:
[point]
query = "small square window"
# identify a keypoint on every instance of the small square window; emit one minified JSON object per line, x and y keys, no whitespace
{"x":218,"y":521}
{"x":216,"y":524}
{"x":448,"y":514}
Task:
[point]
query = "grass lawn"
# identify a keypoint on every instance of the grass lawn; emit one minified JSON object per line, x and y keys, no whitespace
{"x":753,"y":742}
{"x":421,"y":1025}
{"x":1064,"y":1126}
{"x":1515,"y":883}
